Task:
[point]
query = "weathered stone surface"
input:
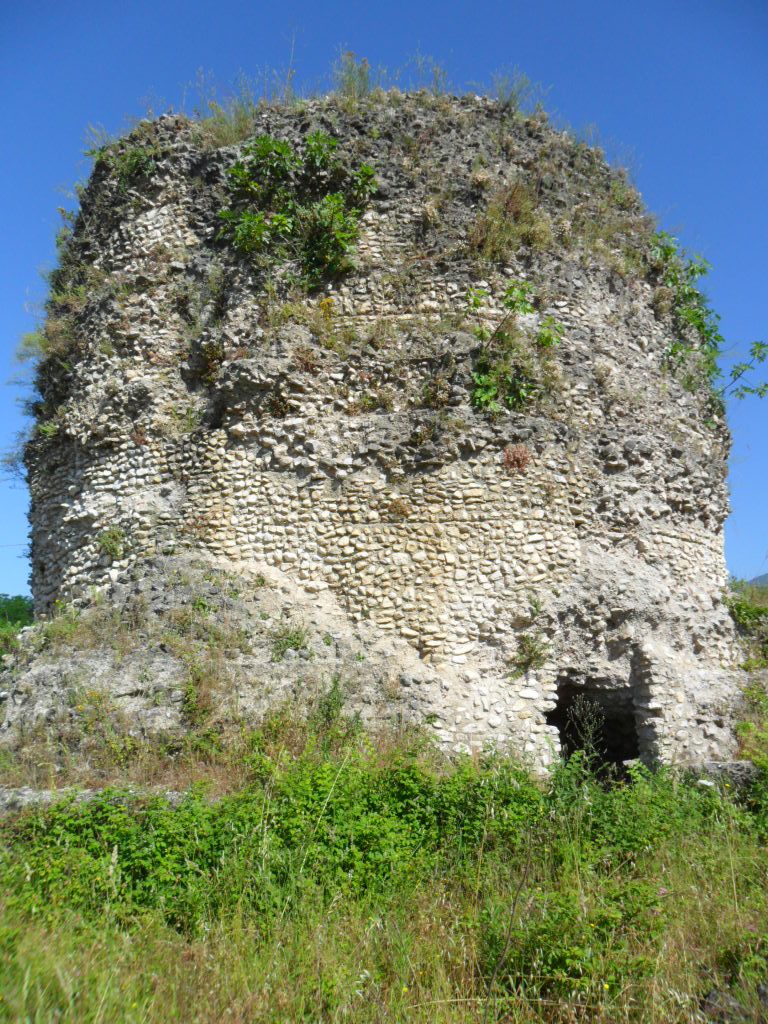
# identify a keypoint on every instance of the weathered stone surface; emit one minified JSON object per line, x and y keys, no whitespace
{"x":20,"y":798}
{"x":736,"y":774}
{"x":336,"y":451}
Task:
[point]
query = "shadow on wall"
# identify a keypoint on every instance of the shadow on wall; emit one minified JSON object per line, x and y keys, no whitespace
{"x":602,"y":721}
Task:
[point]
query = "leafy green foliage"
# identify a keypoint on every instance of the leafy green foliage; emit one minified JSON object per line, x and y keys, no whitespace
{"x":333,"y":822}
{"x":690,"y":309}
{"x":699,"y":342}
{"x":329,"y":233}
{"x":550,"y":333}
{"x":47,"y":428}
{"x":476,"y":297}
{"x":458,"y":881}
{"x":519,"y":297}
{"x":505,"y":382}
{"x":532,"y":652}
{"x":132,"y":160}
{"x":111,"y":542}
{"x":758,"y":354}
{"x":302,"y":207}
{"x":512,"y":370}
{"x":135,"y":165}
{"x":752,"y":730}
{"x":16,"y":610}
{"x":748,"y":606}
{"x":555,"y":951}
{"x":15,"y":613}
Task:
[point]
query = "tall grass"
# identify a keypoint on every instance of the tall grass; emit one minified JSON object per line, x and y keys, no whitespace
{"x":228,"y":116}
{"x":352,"y":879}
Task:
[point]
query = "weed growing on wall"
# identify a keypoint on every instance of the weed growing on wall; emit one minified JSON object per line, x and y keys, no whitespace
{"x":516,"y":458}
{"x":15,"y":613}
{"x":748,"y":606}
{"x":112,"y":542}
{"x":290,"y":637}
{"x":532,"y":652}
{"x":514,"y":369}
{"x":698,"y":344}
{"x":131,"y":161}
{"x":297,"y":207}
{"x":353,"y":77}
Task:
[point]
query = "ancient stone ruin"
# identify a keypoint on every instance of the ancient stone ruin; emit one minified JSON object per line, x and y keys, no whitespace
{"x":405,"y":411}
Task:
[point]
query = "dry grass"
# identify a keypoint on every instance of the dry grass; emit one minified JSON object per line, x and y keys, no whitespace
{"x":512,"y":219}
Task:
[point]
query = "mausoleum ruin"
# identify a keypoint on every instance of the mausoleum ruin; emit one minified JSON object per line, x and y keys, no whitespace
{"x":442,"y":420}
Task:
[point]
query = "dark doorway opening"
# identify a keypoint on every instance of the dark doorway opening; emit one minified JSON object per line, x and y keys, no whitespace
{"x":599,"y":720}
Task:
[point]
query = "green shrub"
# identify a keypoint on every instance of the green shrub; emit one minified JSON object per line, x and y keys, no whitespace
{"x":340,"y":820}
{"x":333,"y":822}
{"x":679,"y":274}
{"x":15,"y":613}
{"x":329,"y":232}
{"x":532,"y":652}
{"x":132,"y":160}
{"x":699,"y":343}
{"x":571,"y":944}
{"x":302,"y":207}
{"x":380,"y":880}
{"x":550,"y":333}
{"x":752,"y":729}
{"x":135,"y":165}
{"x":16,"y":610}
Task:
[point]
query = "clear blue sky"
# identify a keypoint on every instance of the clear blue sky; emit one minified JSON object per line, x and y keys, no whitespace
{"x":681,"y":84}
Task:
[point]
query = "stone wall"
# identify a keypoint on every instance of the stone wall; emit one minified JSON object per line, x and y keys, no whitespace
{"x":572,"y":547}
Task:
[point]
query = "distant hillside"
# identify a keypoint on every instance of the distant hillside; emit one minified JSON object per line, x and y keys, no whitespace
{"x":760,"y":581}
